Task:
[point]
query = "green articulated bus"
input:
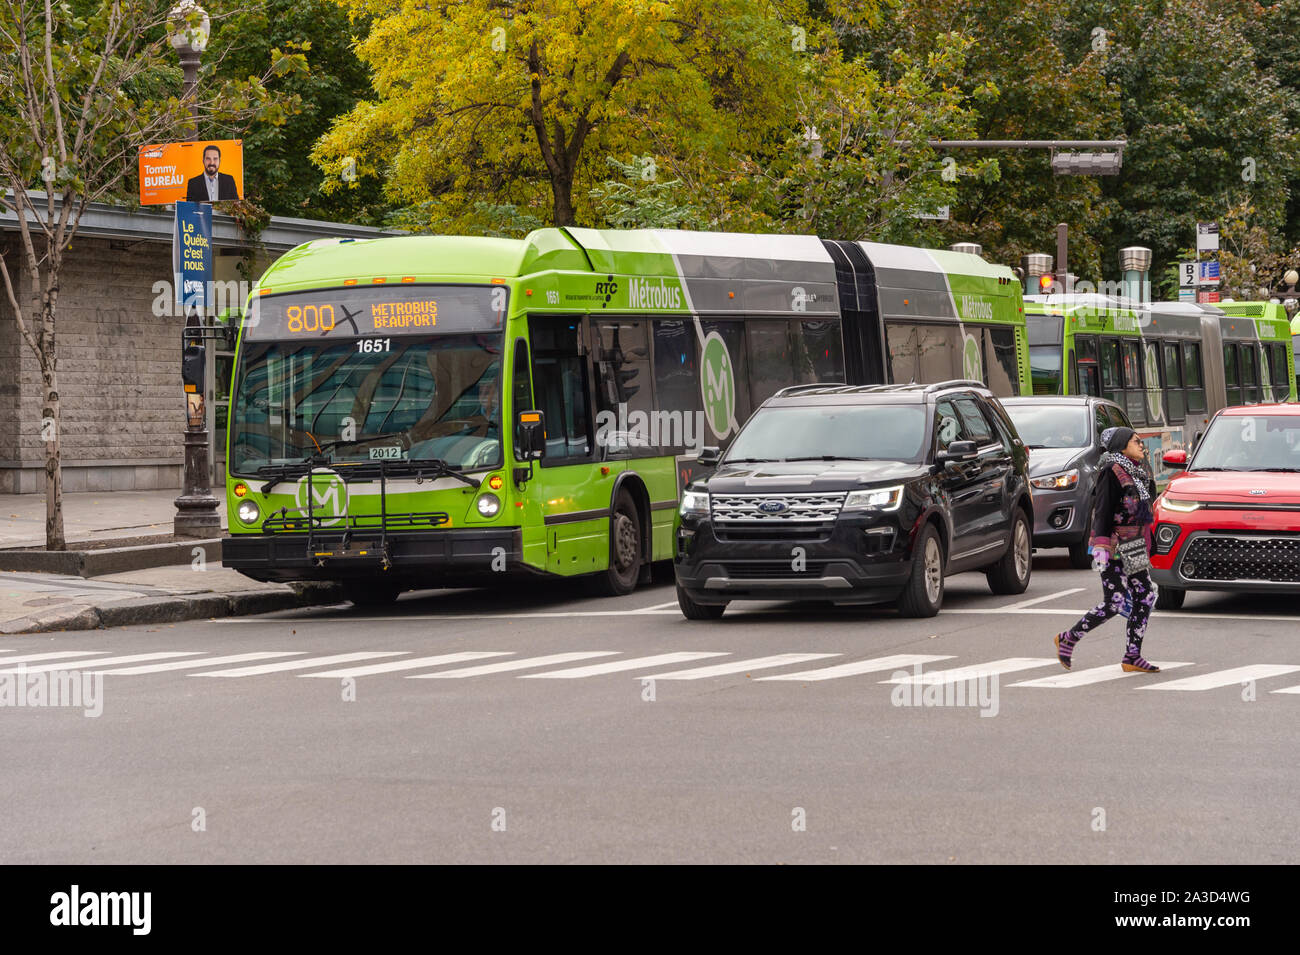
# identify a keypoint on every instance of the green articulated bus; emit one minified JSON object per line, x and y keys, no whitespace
{"x":1170,"y":365}
{"x":426,"y":411}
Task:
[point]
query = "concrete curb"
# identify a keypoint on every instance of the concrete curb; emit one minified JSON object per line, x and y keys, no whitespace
{"x":174,"y":608}
{"x":109,"y":560}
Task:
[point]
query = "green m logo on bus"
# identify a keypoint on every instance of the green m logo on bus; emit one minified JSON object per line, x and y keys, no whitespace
{"x":329,"y":495}
{"x":972,"y":364}
{"x":718,"y":384}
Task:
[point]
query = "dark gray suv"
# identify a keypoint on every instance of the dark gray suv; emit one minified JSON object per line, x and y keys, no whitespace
{"x":1063,"y":435}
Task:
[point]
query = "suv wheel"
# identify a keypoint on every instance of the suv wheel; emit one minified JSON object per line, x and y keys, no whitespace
{"x":923,"y":594}
{"x":1010,"y":575}
{"x":694,"y":611}
{"x":1170,"y":598}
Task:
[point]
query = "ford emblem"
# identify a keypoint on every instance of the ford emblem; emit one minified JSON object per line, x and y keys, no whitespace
{"x":772,"y":507}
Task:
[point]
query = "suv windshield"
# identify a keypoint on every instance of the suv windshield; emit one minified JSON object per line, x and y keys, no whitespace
{"x":1050,"y":426}
{"x":1250,"y":443}
{"x":886,"y":432}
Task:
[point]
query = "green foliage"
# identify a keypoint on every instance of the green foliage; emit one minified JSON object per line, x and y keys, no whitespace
{"x":307,"y":47}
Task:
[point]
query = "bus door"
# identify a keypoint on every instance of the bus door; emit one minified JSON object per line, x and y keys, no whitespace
{"x":566,"y":503}
{"x":1085,"y":360}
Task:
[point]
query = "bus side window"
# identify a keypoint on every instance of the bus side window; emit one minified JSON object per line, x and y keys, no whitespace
{"x":522,"y":387}
{"x":1110,"y":371}
{"x":1249,"y":373}
{"x":1231,"y":378}
{"x":1089,"y":373}
{"x":1134,"y":396}
{"x":1193,"y":380}
{"x":1175,"y":401}
{"x":560,"y":375}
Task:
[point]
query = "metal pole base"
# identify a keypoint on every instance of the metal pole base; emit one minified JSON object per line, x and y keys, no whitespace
{"x":196,"y":508}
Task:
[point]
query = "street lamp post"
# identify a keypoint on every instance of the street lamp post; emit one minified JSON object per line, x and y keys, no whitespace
{"x":196,"y":508}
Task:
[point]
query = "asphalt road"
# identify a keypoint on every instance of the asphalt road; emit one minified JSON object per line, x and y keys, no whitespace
{"x":543,"y":760}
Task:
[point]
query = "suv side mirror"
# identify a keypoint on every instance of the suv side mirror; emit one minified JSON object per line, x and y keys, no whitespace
{"x":959,"y":451}
{"x":1176,"y":460}
{"x":709,"y":457}
{"x":530,"y":435}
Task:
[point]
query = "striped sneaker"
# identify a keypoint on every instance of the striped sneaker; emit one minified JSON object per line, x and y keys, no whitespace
{"x":1065,"y":648}
{"x":1138,"y":665}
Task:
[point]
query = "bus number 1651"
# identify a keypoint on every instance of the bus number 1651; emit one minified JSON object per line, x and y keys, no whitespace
{"x":374,"y":344}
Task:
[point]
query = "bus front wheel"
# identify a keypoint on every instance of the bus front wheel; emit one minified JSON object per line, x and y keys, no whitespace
{"x":624,"y":549}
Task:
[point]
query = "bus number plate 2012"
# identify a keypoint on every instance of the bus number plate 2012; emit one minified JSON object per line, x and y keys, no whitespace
{"x":387,"y":453}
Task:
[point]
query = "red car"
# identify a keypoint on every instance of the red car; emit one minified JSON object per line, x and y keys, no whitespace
{"x":1231,"y":521}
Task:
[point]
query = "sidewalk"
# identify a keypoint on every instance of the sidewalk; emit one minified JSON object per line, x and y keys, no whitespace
{"x":94,"y":515}
{"x":40,"y":603}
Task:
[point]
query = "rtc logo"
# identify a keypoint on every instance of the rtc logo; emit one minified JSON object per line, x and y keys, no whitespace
{"x":329,"y":494}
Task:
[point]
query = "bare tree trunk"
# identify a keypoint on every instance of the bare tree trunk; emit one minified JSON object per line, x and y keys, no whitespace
{"x":50,"y":431}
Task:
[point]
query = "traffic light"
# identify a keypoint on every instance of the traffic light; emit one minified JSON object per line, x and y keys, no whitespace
{"x":193,"y":368}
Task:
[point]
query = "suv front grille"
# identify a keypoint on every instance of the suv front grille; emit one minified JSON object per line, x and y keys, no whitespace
{"x":760,"y":569}
{"x":1231,"y":556}
{"x":776,"y":509}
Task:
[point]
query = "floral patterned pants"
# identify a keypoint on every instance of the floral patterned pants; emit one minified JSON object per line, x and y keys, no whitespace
{"x":1115,"y":586}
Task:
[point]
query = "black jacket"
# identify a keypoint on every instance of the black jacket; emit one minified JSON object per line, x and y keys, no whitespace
{"x":196,"y":190}
{"x":1121,"y":514}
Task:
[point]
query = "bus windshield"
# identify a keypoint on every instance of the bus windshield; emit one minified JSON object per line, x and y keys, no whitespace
{"x":386,"y":399}
{"x":410,"y":372}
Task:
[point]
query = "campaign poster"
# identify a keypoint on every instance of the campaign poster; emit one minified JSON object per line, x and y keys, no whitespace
{"x":206,"y":170}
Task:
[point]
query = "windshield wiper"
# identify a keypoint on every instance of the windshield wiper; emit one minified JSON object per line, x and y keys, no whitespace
{"x":826,"y":457}
{"x":749,"y":460}
{"x":1287,"y":470}
{"x":1218,"y":469}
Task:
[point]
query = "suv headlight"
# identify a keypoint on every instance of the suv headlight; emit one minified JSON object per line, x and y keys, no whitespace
{"x":1057,"y":482}
{"x":1185,"y":507}
{"x":695,"y":504}
{"x":881,"y":499}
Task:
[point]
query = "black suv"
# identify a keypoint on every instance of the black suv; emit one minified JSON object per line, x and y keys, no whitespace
{"x":858,"y":494}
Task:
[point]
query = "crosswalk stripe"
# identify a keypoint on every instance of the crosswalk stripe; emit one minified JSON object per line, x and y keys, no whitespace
{"x":413,"y":664}
{"x":107,"y":661}
{"x":203,"y":662}
{"x":302,"y":664}
{"x":52,"y":655}
{"x":1210,"y":681}
{"x":1094,"y":675}
{"x":740,"y":666}
{"x":509,"y":665}
{"x":995,"y":667}
{"x":640,"y":663}
{"x":874,"y":665}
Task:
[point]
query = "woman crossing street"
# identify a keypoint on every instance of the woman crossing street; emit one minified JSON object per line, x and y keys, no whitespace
{"x":1121,"y":545}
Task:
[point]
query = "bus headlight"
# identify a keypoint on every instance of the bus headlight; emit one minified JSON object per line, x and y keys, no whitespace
{"x":1057,"y":482}
{"x":881,"y":499}
{"x":695,"y":504}
{"x":489,"y":505}
{"x":248,"y":512}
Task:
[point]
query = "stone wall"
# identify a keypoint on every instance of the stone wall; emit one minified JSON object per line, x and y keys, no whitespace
{"x":119,"y":376}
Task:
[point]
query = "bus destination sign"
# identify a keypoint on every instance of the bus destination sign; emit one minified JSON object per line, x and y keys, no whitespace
{"x":377,"y":310}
